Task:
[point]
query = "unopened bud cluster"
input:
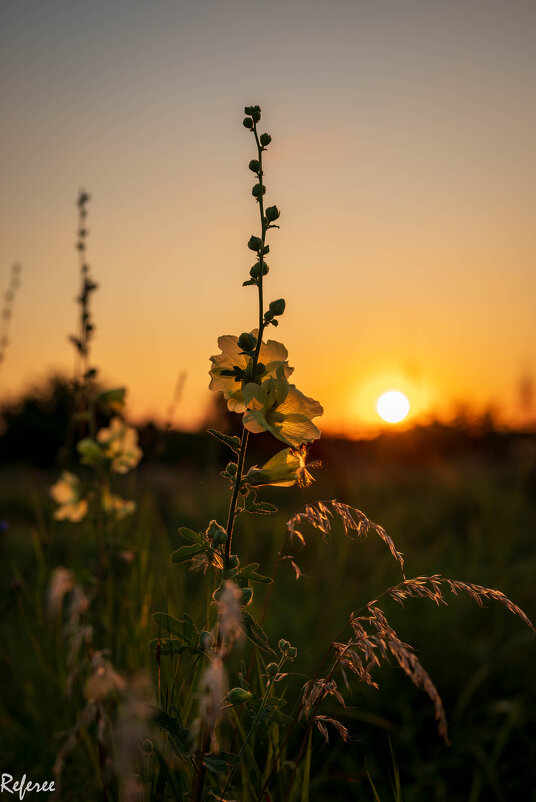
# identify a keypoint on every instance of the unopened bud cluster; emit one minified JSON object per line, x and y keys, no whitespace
{"x":9,"y":298}
{"x":82,"y":340}
{"x":268,"y":218}
{"x":289,"y":651}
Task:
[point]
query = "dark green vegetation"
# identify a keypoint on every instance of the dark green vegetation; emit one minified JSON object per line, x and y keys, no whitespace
{"x":460,"y":505}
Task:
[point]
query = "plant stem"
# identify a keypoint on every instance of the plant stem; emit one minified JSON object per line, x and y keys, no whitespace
{"x":244,"y":440}
{"x":200,"y":780}
{"x":238,"y":481}
{"x":252,"y":728}
{"x":297,"y":715}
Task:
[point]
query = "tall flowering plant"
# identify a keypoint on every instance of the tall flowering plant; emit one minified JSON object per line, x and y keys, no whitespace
{"x":224,"y":733}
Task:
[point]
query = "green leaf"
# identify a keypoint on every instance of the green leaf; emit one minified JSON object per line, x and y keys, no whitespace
{"x":168,"y":646}
{"x":90,"y":451}
{"x":233,"y":442}
{"x":250,"y":572}
{"x":112,"y":399}
{"x":255,"y":633}
{"x":183,"y":628}
{"x":277,"y":701}
{"x":169,"y":624}
{"x":191,"y":634}
{"x":220,"y":763}
{"x":189,"y":534}
{"x":249,"y":501}
{"x":275,"y":715}
{"x":179,"y":737}
{"x":184,"y":553}
{"x":263,"y":508}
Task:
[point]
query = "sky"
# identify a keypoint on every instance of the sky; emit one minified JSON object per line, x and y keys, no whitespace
{"x":403,"y":162}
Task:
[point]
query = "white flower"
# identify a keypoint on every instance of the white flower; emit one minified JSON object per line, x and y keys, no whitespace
{"x":272,"y":355}
{"x":67,"y":492}
{"x":284,"y":469}
{"x":115,"y":505}
{"x":279,"y":408}
{"x":120,"y":444}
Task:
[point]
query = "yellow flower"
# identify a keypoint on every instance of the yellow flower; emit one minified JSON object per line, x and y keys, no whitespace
{"x":115,"y":505}
{"x":272,"y":355}
{"x":120,"y":444}
{"x":67,"y":493}
{"x":279,"y":408}
{"x":283,"y":470}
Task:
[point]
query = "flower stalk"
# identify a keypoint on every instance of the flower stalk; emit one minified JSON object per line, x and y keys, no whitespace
{"x":253,"y":118}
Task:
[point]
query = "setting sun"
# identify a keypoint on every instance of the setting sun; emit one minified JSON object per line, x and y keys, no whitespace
{"x":393,"y":406}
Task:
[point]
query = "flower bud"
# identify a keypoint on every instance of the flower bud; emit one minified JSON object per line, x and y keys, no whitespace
{"x":232,"y":468}
{"x":206,"y":639}
{"x":237,"y":696}
{"x":214,"y":529}
{"x":255,"y":243}
{"x":250,"y":110}
{"x":256,"y":269}
{"x":246,"y":341}
{"x":147,"y":746}
{"x":256,"y":114}
{"x":292,"y":652}
{"x":234,"y":562}
{"x":258,"y":190}
{"x":255,"y":166}
{"x":268,"y":316}
{"x":272,"y":213}
{"x":278,"y":307}
{"x":256,"y":476}
{"x":272,"y":669}
{"x":265,"y":140}
{"x":247,"y":123}
{"x":283,"y":645}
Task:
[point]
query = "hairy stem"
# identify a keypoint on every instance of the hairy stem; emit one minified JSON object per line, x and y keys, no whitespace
{"x":244,"y":441}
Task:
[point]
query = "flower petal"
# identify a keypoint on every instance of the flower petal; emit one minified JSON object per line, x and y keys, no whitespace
{"x":297,"y":402}
{"x":272,"y":351}
{"x":297,"y":429}
{"x":255,"y":421}
{"x":256,"y":395}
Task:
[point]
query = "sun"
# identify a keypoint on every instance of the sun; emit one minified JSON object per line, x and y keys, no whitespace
{"x":393,"y":406}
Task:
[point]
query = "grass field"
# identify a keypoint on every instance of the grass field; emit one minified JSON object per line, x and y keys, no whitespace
{"x":468,"y":514}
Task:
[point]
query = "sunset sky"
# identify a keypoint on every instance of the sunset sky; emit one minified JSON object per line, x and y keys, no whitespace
{"x":403,"y":162}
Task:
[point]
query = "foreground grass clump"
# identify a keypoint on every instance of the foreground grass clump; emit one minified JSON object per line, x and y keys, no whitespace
{"x":260,"y":686}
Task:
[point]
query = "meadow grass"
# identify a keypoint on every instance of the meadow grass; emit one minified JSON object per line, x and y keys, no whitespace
{"x":482,"y":664}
